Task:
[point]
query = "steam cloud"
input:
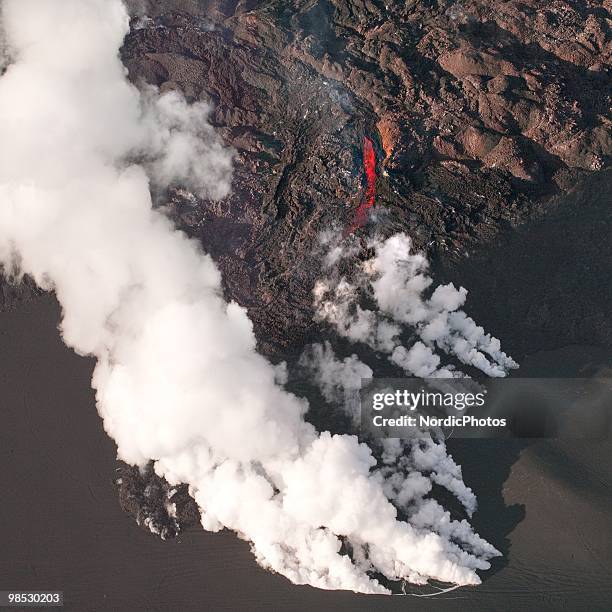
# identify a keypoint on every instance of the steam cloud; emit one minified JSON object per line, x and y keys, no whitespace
{"x":178,"y":379}
{"x":396,"y":279}
{"x":3,"y":49}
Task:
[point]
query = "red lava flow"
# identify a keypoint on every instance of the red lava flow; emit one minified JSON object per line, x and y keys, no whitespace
{"x":369,"y":165}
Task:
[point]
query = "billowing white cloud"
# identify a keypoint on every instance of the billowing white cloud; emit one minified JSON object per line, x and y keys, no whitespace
{"x":339,"y":380}
{"x":178,"y":379}
{"x":398,"y":281}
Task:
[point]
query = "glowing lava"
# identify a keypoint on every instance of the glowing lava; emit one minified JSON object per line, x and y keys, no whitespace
{"x":369,"y":166}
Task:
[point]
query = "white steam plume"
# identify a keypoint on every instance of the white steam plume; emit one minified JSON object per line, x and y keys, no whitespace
{"x":338,"y":380}
{"x":397,"y":279}
{"x":177,"y":378}
{"x":4,"y":52}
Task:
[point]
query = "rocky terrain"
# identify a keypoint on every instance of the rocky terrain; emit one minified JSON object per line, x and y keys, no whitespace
{"x":482,"y":115}
{"x":479,"y":113}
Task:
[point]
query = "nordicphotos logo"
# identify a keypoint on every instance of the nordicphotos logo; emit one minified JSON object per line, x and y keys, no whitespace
{"x":422,"y":399}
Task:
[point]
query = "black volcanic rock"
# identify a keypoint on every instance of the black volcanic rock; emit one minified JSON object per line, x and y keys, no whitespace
{"x":154,"y":504}
{"x":14,"y":293}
